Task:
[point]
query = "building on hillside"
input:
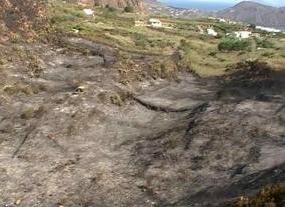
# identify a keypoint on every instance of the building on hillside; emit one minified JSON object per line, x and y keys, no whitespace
{"x":268,"y":29}
{"x":88,"y":12}
{"x":232,"y":22}
{"x":212,"y":18}
{"x":212,"y":32}
{"x":222,"y":20}
{"x":155,"y":22}
{"x":243,"y":34}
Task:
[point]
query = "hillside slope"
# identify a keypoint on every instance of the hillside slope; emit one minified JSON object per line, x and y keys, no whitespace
{"x":108,"y":115}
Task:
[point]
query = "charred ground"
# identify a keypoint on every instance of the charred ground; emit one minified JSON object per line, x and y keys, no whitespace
{"x":86,"y":124}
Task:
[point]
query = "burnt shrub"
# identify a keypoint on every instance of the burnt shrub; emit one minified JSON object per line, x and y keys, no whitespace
{"x":129,"y":9}
{"x":22,"y":17}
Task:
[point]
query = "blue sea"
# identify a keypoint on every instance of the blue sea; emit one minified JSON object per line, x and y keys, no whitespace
{"x":209,"y":6}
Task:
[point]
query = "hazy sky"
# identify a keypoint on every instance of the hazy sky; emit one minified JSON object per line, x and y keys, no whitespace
{"x":268,"y":2}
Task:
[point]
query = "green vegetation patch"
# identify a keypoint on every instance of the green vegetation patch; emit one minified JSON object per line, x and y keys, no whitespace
{"x":264,"y":43}
{"x":201,"y":53}
{"x":234,"y":44}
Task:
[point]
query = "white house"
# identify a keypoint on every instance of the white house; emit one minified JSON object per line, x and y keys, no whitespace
{"x":212,"y":18}
{"x":268,"y":29}
{"x":212,"y":32}
{"x":243,"y":34}
{"x":88,"y":12}
{"x":232,"y":22}
{"x":155,"y":22}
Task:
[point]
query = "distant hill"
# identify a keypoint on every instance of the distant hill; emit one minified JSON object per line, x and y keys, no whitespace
{"x":255,"y":13}
{"x":246,"y":11}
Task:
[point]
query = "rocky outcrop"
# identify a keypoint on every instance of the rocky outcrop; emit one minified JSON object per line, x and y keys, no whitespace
{"x":138,"y":4}
{"x":121,"y":3}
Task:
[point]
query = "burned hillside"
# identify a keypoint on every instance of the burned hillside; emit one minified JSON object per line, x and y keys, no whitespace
{"x":84,"y":123}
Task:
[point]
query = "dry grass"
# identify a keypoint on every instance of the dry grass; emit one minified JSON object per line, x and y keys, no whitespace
{"x":34,"y":111}
{"x":120,"y":98}
{"x":270,"y":196}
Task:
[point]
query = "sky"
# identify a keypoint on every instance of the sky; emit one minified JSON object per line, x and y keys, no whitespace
{"x":217,"y":4}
